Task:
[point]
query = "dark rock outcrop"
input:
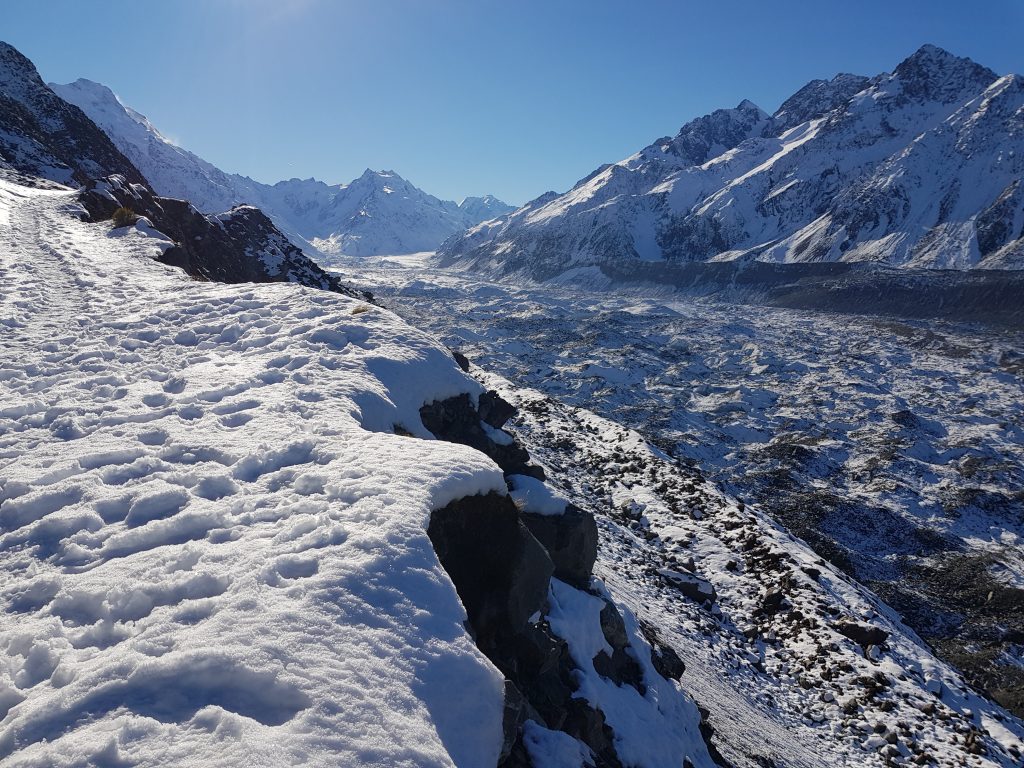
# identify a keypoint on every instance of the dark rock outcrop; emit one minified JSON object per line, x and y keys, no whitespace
{"x":500,"y":570}
{"x":457,"y":420}
{"x":570,"y":539}
{"x":665,"y":660}
{"x":864,"y":634}
{"x":620,"y":666}
{"x":239,"y":246}
{"x":41,"y":135}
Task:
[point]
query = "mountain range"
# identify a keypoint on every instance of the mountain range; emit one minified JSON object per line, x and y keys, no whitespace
{"x":377,"y":213}
{"x":920,"y":167}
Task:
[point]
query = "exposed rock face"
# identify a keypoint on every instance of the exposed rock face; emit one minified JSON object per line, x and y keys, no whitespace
{"x":43,"y":136}
{"x":570,"y":539}
{"x":501,"y":571}
{"x":458,"y":421}
{"x":501,"y":561}
{"x":242,"y":245}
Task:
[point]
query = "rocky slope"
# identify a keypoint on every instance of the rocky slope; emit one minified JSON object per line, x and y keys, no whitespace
{"x":890,"y":449}
{"x":920,"y":167}
{"x":43,"y":136}
{"x":378,"y":213}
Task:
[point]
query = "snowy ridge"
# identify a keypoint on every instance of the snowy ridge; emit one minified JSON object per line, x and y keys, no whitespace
{"x":214,"y":546}
{"x":44,"y":137}
{"x":378,"y":213}
{"x":916,"y":168}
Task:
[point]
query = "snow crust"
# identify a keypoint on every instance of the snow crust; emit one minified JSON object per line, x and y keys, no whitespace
{"x":213,"y":545}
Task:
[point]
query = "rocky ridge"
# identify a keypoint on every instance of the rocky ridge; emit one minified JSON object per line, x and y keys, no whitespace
{"x":41,"y":135}
{"x":45,"y":141}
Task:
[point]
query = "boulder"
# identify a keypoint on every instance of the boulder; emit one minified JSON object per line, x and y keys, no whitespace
{"x":570,"y":540}
{"x":499,"y":569}
{"x":461,"y":360}
{"x":494,"y":410}
{"x":691,"y":585}
{"x":863,"y":634}
{"x":457,"y":420}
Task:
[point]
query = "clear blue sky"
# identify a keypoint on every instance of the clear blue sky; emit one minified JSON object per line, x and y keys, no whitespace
{"x":473,"y":96}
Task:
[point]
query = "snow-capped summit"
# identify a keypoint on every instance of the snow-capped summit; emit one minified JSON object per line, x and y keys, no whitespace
{"x":484,"y":208}
{"x":917,"y":167}
{"x":816,"y":98}
{"x":936,"y":74}
{"x":377,"y":213}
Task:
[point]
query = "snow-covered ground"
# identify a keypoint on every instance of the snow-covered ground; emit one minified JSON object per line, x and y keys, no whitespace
{"x":213,"y":528}
{"x":213,"y":546}
{"x":912,"y":432}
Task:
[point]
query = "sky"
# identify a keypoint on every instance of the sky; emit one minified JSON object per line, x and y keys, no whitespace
{"x":472,"y":97}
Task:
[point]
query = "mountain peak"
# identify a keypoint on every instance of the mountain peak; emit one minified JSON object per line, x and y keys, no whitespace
{"x":17,"y":73}
{"x":748,"y":106}
{"x":934,"y":73}
{"x":91,"y":86}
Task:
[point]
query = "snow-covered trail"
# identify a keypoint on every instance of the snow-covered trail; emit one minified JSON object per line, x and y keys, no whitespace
{"x":212,"y":544}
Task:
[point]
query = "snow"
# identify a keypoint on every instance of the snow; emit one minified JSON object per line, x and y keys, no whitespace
{"x":554,"y":749}
{"x":656,"y":730}
{"x":902,"y":172}
{"x":214,"y":545}
{"x":531,"y":495}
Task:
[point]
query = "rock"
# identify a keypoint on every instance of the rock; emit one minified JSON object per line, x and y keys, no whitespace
{"x":862,"y":634}
{"x":587,"y":724}
{"x":772,"y":602}
{"x":513,"y":717}
{"x":692,"y":586}
{"x":494,"y":410}
{"x":239,"y":246}
{"x":665,"y":660}
{"x":43,"y":136}
{"x":499,"y":569}
{"x":461,"y":360}
{"x":905,"y":419}
{"x":620,"y":667}
{"x":570,"y":540}
{"x":612,"y":626}
{"x":456,"y":420}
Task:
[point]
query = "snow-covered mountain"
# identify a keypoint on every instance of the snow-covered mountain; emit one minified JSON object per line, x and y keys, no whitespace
{"x":378,"y":213}
{"x":919,"y":167}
